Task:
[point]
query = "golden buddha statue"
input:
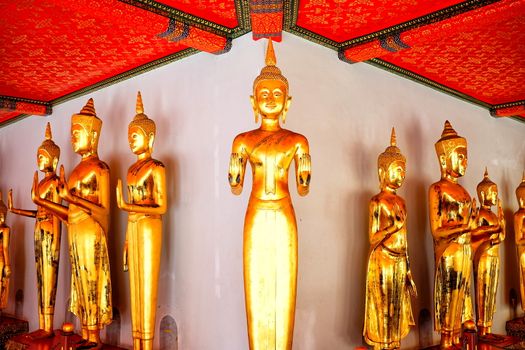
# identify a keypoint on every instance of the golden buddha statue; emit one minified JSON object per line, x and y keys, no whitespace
{"x":5,"y":261}
{"x":485,"y":240}
{"x":451,"y":217}
{"x":388,"y":313}
{"x":87,"y":218}
{"x":147,"y":194}
{"x":270,"y":229}
{"x":519,"y":231}
{"x":47,"y":234}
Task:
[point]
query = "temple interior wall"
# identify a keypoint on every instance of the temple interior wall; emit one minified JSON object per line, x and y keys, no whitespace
{"x":199,"y":104}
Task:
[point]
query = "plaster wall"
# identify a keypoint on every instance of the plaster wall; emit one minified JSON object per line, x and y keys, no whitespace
{"x":199,"y":104}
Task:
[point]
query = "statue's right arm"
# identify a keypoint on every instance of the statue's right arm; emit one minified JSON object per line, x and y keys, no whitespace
{"x":12,"y":209}
{"x":237,"y":166}
{"x":56,"y":209}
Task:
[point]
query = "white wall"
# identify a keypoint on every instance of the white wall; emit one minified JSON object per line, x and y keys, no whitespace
{"x":199,"y":105}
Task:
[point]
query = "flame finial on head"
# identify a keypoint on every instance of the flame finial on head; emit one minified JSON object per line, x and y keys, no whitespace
{"x":391,"y":153}
{"x":49,"y":145}
{"x":139,"y":106}
{"x":393,"y":137}
{"x":89,"y":109}
{"x":141,"y":120}
{"x":270,"y":71}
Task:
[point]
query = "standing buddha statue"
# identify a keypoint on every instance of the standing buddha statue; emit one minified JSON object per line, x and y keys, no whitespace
{"x":142,"y":249}
{"x":451,"y":218}
{"x":87,"y":218}
{"x":485,"y":241}
{"x":5,"y":261}
{"x":388,"y":313}
{"x":46,"y":235}
{"x":519,"y":231}
{"x":270,"y":228}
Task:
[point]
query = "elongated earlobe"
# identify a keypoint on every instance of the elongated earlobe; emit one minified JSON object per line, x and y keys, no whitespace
{"x":254,"y":107}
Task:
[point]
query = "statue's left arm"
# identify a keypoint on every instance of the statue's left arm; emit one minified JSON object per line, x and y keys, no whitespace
{"x":303,"y":166}
{"x":237,"y":168}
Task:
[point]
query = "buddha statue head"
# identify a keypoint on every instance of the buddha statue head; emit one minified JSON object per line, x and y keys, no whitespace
{"x":270,"y":90}
{"x":391,"y":165}
{"x":141,"y":130}
{"x":520,"y":193}
{"x":451,"y":150}
{"x":85,"y":130}
{"x":48,"y":153}
{"x":487,"y":191}
{"x":3,"y":210}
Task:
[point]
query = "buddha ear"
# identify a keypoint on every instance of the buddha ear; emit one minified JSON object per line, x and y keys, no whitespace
{"x":285,"y":108}
{"x":55,"y":163}
{"x":381,"y":174}
{"x":151,"y":140}
{"x":483,"y":196}
{"x":94,"y":135}
{"x":442,"y":160}
{"x":255,"y":109}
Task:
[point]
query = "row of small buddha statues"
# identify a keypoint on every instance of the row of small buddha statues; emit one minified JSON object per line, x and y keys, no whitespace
{"x":466,"y":248}
{"x":464,"y":235}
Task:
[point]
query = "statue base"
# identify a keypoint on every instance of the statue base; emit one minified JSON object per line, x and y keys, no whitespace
{"x":60,"y":340}
{"x":10,"y":327}
{"x":492,"y":342}
{"x":516,"y":328}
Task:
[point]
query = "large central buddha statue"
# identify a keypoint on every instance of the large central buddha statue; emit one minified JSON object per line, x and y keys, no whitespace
{"x":270,"y":228}
{"x":451,"y":217}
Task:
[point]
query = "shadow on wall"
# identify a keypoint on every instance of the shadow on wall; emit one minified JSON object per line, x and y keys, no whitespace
{"x":357,"y":244}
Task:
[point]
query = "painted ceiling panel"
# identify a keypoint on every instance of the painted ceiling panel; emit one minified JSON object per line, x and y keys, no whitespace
{"x":483,"y":56}
{"x":222,"y":12}
{"x":49,"y":49}
{"x":342,"y":20}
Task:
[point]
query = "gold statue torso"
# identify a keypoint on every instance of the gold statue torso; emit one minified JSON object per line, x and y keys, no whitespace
{"x":89,"y":267}
{"x":145,"y":185}
{"x":486,"y":268}
{"x":450,"y":209}
{"x":270,"y":236}
{"x":47,"y":252}
{"x":388,"y":312}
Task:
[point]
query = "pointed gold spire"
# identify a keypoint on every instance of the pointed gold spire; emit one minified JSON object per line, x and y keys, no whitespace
{"x":270,"y":54}
{"x":486,"y":175}
{"x":448,"y":130}
{"x":48,"y":131}
{"x":89,"y":109}
{"x":393,"y":137}
{"x":139,"y":106}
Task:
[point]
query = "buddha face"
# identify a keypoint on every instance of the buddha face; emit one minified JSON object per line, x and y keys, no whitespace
{"x":44,"y":161}
{"x":395,"y":174}
{"x":489,"y":195}
{"x":79,"y":138}
{"x":138,"y":141}
{"x":456,"y":162}
{"x":270,"y":98}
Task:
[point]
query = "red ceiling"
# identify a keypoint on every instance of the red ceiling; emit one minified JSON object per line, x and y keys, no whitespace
{"x":342,"y":20}
{"x":483,"y":61}
{"x":57,"y":49}
{"x":219,"y":11}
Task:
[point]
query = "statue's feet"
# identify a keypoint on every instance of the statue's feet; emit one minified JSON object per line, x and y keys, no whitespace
{"x":40,"y":334}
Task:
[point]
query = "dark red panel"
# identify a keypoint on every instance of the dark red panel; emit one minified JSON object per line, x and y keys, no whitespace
{"x":222,"y":12}
{"x":267,"y":19}
{"x":485,"y":59}
{"x":52,"y":48}
{"x":342,"y":20}
{"x":6,"y":115}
